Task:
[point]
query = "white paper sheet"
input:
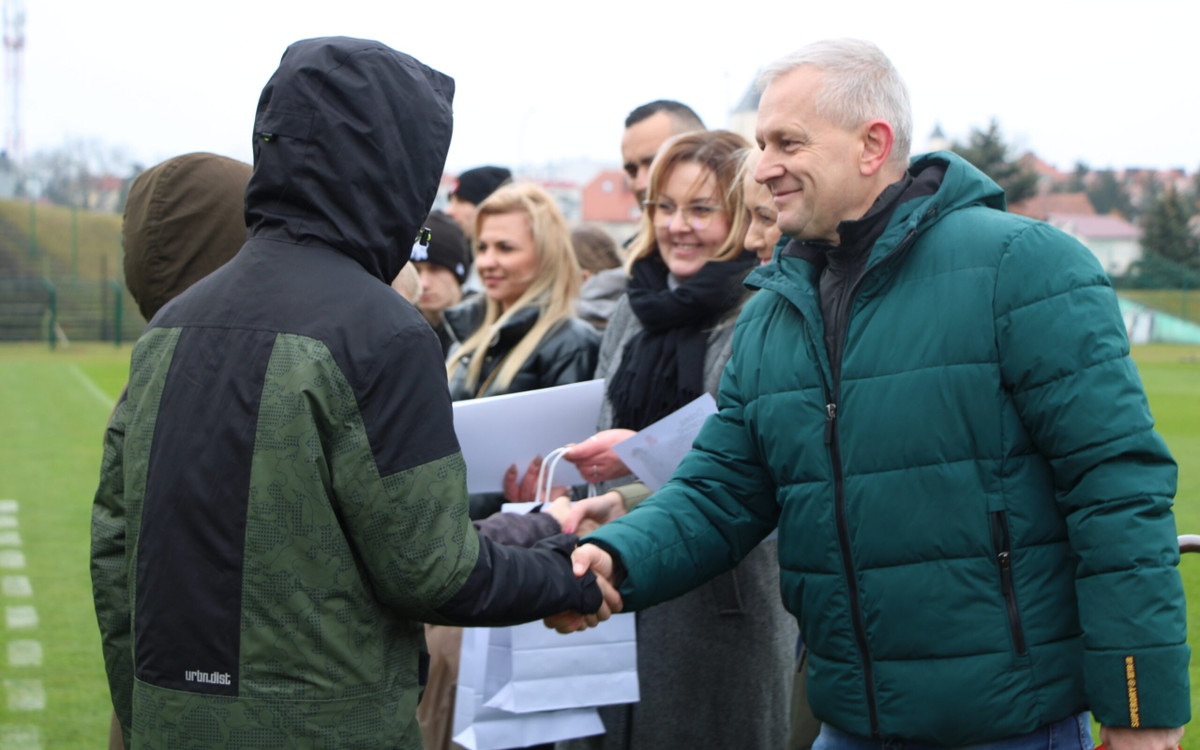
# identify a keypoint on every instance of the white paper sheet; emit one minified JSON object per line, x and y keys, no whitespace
{"x":653,"y":453}
{"x":499,"y":431}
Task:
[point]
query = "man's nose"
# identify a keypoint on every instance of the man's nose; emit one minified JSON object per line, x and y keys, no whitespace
{"x":768,"y":169}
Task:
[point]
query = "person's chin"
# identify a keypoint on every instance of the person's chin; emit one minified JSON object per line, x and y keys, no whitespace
{"x":685,"y":269}
{"x":791,"y":227}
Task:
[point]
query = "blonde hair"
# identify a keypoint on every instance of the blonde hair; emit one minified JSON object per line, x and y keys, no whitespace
{"x":553,"y":290}
{"x":720,"y":151}
{"x":747,"y":159}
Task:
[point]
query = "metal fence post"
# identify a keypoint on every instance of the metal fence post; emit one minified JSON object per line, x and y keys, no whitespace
{"x":118,"y":310}
{"x":74,"y":242}
{"x":32,"y":227}
{"x":51,"y":337}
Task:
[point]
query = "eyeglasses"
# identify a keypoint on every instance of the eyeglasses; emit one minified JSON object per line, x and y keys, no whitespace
{"x":698,"y":216}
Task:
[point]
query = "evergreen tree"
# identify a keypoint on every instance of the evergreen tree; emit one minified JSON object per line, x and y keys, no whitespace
{"x":1077,"y":182}
{"x":990,"y":154}
{"x":1165,"y":230}
{"x":1108,"y":195}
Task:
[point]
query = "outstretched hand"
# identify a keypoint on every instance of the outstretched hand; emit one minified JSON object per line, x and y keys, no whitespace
{"x":595,"y":458}
{"x":524,"y":489}
{"x":589,"y":514}
{"x":590,"y":557}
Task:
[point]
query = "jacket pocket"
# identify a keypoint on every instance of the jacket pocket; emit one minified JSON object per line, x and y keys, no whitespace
{"x":727,"y":593}
{"x":1002,"y":547}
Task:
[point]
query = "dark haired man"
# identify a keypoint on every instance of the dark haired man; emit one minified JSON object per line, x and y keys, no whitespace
{"x":474,"y":185}
{"x":646,"y":129}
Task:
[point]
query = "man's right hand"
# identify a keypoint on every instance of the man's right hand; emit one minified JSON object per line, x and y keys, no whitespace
{"x":590,"y":557}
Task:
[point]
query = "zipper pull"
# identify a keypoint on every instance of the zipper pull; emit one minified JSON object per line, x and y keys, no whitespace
{"x":830,"y":415}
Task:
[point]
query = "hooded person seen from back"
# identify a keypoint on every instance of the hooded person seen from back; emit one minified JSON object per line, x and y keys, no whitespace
{"x":282,"y":499}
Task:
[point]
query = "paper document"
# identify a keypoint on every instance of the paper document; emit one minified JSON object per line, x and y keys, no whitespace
{"x":499,"y":431}
{"x":653,"y":453}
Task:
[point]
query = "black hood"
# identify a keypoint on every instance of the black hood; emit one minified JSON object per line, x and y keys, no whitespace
{"x":350,"y":140}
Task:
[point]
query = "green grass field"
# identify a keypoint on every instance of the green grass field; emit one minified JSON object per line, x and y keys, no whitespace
{"x":54,"y":406}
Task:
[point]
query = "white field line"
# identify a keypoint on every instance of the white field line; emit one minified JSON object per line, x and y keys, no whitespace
{"x":21,"y":617}
{"x":25,"y":653}
{"x":16,"y":587}
{"x":20,"y":737}
{"x":29,"y":694}
{"x":90,"y":386}
{"x":25,"y":695}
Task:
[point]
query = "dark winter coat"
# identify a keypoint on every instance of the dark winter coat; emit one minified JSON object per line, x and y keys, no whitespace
{"x":282,"y":499}
{"x":565,"y":355}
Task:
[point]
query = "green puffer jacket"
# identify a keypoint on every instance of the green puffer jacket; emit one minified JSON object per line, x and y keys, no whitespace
{"x":975,"y":524}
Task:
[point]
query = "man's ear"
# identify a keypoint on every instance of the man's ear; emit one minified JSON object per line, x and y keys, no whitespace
{"x":877,"y":140}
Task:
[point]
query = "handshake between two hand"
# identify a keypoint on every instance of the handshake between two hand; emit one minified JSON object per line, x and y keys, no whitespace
{"x":590,"y":557}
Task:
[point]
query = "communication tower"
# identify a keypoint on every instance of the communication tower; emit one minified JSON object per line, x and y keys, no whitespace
{"x":14,"y":68}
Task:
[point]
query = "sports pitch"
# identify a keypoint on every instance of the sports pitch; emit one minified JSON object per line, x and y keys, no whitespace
{"x":53,"y":408}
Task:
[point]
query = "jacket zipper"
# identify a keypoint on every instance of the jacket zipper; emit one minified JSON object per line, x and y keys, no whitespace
{"x":843,"y":531}
{"x":1003,"y":548}
{"x":839,"y":499}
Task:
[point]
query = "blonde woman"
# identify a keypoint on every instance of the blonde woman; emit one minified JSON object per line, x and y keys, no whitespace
{"x":762,"y":234}
{"x":522,"y":333}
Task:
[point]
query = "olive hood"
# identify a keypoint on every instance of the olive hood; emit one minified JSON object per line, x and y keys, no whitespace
{"x":183,"y":219}
{"x":350,"y":140}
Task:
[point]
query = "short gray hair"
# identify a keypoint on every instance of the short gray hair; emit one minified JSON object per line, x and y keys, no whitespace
{"x":860,"y":84}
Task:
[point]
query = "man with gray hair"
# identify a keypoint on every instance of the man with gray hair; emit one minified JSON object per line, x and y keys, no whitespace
{"x":933,"y":401}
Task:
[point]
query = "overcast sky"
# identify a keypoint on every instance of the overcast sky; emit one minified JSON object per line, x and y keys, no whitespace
{"x":1111,"y":84}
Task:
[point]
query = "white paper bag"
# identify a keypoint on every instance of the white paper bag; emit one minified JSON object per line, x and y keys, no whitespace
{"x":478,"y":727}
{"x":533,"y":668}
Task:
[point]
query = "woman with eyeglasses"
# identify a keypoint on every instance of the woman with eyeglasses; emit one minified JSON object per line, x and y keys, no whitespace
{"x":714,"y":665}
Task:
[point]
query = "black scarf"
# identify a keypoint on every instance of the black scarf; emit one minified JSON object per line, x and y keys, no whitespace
{"x":662,"y":367}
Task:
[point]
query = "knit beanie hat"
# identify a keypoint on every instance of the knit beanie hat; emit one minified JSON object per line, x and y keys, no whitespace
{"x":476,"y":184}
{"x":448,"y":246}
